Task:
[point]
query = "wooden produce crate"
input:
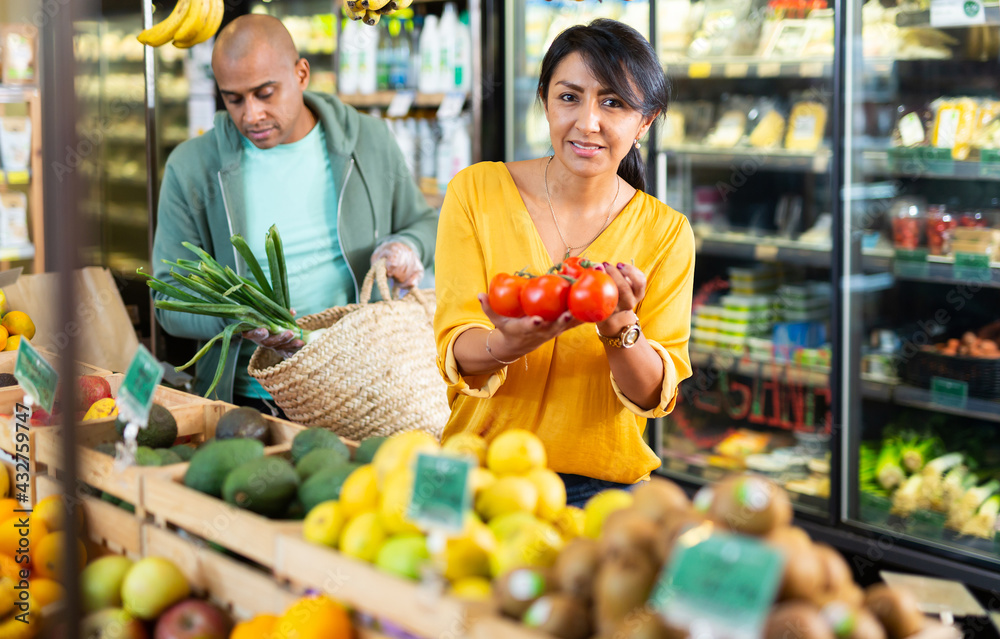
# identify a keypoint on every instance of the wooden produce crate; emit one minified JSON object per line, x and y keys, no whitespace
{"x":406,"y":604}
{"x":497,"y":627}
{"x":108,"y":526}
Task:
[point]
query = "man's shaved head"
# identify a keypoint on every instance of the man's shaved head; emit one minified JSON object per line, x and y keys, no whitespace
{"x":262,"y":78}
{"x":251,"y":32}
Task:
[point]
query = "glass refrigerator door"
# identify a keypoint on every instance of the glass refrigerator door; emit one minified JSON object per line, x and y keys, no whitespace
{"x":531,"y":27}
{"x":922,"y":181}
{"x":745,"y":152}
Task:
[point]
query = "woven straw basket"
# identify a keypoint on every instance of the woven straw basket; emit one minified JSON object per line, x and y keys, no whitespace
{"x":372,"y":372}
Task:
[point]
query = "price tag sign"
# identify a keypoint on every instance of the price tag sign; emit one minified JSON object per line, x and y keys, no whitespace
{"x":451,"y":105}
{"x":949,"y":392}
{"x":957,"y":13}
{"x":765,"y":252}
{"x":911,"y":263}
{"x":135,"y":397}
{"x":441,"y":492}
{"x":736,"y":70}
{"x":18,"y":177}
{"x":811,"y":69}
{"x":722,"y":582}
{"x":699,"y":70}
{"x":972,"y":266}
{"x":401,"y":103}
{"x":37,"y":376}
{"x":769,"y":69}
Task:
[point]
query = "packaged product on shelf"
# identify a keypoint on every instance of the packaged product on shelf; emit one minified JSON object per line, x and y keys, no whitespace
{"x":913,"y":126}
{"x":14,"y":219}
{"x":19,"y":49}
{"x":15,"y":143}
{"x":982,"y":241}
{"x":672,"y":131}
{"x":907,"y":215}
{"x":940,"y":225}
{"x":806,"y":126}
{"x":769,"y":130}
{"x":732,"y":124}
{"x":955,"y":125}
{"x":725,"y":30}
{"x":987,"y":134}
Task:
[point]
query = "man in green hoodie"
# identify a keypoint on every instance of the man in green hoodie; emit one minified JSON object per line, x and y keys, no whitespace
{"x":333,"y":180}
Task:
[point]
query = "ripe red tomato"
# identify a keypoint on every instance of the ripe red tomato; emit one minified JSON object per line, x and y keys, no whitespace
{"x":572,"y":267}
{"x":505,"y":294}
{"x":545,"y":297}
{"x":594,"y":296}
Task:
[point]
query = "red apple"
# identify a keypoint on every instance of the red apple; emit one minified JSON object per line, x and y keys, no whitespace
{"x":91,"y":388}
{"x":112,"y":623}
{"x":193,"y":619}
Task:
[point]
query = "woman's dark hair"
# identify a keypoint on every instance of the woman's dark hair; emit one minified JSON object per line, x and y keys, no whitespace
{"x":608,"y":47}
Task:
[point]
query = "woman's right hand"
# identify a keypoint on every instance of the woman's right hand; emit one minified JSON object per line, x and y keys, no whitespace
{"x":285,"y":343}
{"x":515,"y":337}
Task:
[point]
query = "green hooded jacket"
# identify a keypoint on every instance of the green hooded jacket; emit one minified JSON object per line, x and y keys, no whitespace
{"x":201,"y":202}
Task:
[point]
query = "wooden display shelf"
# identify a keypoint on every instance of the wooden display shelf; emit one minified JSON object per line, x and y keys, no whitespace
{"x":407,"y":604}
{"x":167,"y":397}
{"x":383,"y":98}
{"x":109,"y":527}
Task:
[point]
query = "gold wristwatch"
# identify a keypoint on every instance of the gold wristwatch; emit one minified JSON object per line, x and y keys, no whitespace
{"x":626,"y":338}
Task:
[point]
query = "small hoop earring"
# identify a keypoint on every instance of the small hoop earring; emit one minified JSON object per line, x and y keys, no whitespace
{"x":637,"y":145}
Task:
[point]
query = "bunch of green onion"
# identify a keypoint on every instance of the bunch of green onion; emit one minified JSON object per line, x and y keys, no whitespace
{"x":218,"y":291}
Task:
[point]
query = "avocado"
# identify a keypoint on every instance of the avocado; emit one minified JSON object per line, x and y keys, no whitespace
{"x":160,"y":430}
{"x":367,"y":449}
{"x":168,"y":457}
{"x":183,"y":451}
{"x":324,"y":485}
{"x":107,"y":448}
{"x":243,"y":422}
{"x":214,"y":460}
{"x":265,"y":486}
{"x":6,"y":379}
{"x":146,"y":456}
{"x":313,"y":438}
{"x":318,"y":459}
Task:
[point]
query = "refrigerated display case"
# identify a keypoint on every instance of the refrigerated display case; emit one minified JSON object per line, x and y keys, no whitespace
{"x":922,"y":218}
{"x":745,"y":152}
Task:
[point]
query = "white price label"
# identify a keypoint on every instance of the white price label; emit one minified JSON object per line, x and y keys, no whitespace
{"x":401,"y":103}
{"x":957,"y":13}
{"x":451,"y":105}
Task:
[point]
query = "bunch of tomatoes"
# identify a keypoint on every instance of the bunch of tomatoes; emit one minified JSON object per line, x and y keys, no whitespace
{"x":575,"y":285}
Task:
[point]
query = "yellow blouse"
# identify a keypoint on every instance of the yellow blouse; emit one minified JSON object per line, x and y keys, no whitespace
{"x":564,"y":390}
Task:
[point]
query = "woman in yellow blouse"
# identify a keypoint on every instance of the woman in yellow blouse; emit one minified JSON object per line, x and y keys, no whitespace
{"x":586,"y":393}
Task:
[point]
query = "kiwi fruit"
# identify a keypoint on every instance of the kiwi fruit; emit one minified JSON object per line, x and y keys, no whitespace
{"x":750,"y":504}
{"x":803,"y":574}
{"x":516,"y":590}
{"x":798,"y":620}
{"x":836,"y":573}
{"x":672,"y":529}
{"x":658,"y":499}
{"x":628,"y":537}
{"x":788,"y":537}
{"x":866,"y":626}
{"x":560,"y":615}
{"x":618,"y":590}
{"x":576,"y":566}
{"x":896,"y":609}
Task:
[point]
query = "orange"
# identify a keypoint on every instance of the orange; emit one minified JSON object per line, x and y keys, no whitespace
{"x":10,"y":569}
{"x":7,"y":508}
{"x":50,"y":512}
{"x":260,"y":627}
{"x":47,"y":557}
{"x":3,"y":337}
{"x":12,"y":343}
{"x":46,"y":591}
{"x":10,"y":535}
{"x":314,"y":618}
{"x":18,"y":323}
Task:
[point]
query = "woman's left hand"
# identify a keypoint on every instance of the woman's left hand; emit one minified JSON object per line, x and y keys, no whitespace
{"x":631,"y":283}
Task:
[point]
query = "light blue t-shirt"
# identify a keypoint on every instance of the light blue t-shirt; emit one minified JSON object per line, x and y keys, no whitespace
{"x":291,"y":185}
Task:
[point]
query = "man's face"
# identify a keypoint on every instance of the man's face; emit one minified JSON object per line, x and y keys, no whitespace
{"x":263,"y":94}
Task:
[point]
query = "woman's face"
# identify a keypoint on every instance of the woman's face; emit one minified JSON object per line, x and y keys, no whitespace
{"x":592,"y":129}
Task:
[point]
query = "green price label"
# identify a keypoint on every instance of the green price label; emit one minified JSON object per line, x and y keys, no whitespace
{"x":135,"y":397}
{"x":36,"y":375}
{"x":972,"y":267}
{"x":911,"y":263}
{"x":725,"y":581}
{"x":949,"y":392}
{"x":441,"y":494}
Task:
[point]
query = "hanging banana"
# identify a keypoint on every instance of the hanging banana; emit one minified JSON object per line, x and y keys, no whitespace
{"x":162,"y":32}
{"x":194,"y":21}
{"x":212,"y":22}
{"x":354,"y":12}
{"x":373,"y":5}
{"x":372,"y":17}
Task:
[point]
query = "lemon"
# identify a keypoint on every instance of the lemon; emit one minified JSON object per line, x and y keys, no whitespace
{"x":18,"y":323}
{"x":3,"y":337}
{"x":551,"y":493}
{"x":395,"y":501}
{"x":4,"y":304}
{"x":101,"y":409}
{"x":472,"y":589}
{"x":507,"y":495}
{"x":600,"y":506}
{"x":468,"y":554}
{"x":359,"y":492}
{"x":4,"y":485}
{"x":399,"y":450}
{"x":480,"y":479}
{"x":363,"y":537}
{"x":12,"y":343}
{"x":570,"y":522}
{"x":537,"y":545}
{"x":469,"y":444}
{"x":7,"y":596}
{"x":506,"y":526}
{"x":515,"y":452}
{"x":323,"y":524}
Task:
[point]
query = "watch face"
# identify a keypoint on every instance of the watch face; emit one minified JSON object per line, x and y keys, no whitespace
{"x":631,"y":336}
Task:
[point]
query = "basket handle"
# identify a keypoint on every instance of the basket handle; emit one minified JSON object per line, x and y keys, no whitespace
{"x":376,"y":275}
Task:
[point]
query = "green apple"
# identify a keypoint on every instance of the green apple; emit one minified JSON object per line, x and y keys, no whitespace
{"x":403,"y":555}
{"x":101,"y":582}
{"x":151,"y":586}
{"x":112,"y":623}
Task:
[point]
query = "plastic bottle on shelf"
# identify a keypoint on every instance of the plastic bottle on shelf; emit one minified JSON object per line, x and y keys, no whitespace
{"x":399,"y":67}
{"x":347,"y":78}
{"x":461,"y":147}
{"x":448,"y":43}
{"x":407,"y":145}
{"x":442,"y":169}
{"x":427,"y":143}
{"x":385,"y":54}
{"x":367,"y":49}
{"x":430,"y":54}
{"x":463,"y":55}
{"x":413,"y":29}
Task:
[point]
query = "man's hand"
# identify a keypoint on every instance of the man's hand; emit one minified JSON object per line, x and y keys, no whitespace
{"x":285,"y":343}
{"x":401,"y":263}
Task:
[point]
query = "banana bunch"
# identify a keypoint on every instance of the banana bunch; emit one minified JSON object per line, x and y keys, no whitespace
{"x":191,"y":22}
{"x":371,"y":11}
